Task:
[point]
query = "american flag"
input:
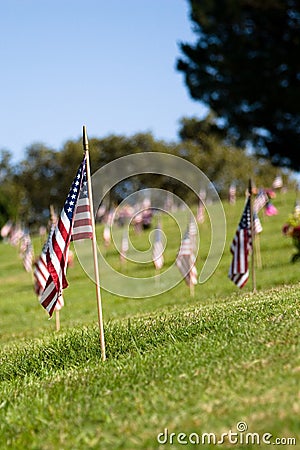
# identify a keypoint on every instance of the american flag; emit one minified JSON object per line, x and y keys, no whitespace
{"x":40,"y":272}
{"x":186,"y":259}
{"x":257,"y":226}
{"x":82,"y":222}
{"x":240,"y":248}
{"x":260,"y":201}
{"x":158,"y":249}
{"x":74,"y":222}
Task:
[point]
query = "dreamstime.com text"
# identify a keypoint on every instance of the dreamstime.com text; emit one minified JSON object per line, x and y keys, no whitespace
{"x":240,"y":436}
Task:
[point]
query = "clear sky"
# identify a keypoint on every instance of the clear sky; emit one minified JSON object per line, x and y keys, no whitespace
{"x":106,"y":64}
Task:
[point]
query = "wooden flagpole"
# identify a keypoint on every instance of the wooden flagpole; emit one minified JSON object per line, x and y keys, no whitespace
{"x":252,"y":238}
{"x":192,"y":287}
{"x":53,"y":222}
{"x":257,"y":251}
{"x":94,"y":245}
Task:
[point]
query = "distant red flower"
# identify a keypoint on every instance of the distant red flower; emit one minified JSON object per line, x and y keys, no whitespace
{"x":285,"y":229}
{"x":296,"y":232}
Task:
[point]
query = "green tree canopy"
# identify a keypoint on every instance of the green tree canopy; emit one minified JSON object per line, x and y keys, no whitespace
{"x":10,"y":195}
{"x":223,"y":163}
{"x":44,"y":177}
{"x":37,"y":178}
{"x":245,"y":67}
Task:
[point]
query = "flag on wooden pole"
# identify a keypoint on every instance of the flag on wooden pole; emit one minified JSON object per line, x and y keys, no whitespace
{"x":41,"y":273}
{"x":260,"y":201}
{"x":94,"y":245}
{"x":74,"y":221}
{"x":241,"y":247}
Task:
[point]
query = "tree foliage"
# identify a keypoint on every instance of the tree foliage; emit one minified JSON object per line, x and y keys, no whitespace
{"x":44,"y":177}
{"x":11,"y":196}
{"x":245,"y":66}
{"x":204,"y":145}
{"x":37,"y":177}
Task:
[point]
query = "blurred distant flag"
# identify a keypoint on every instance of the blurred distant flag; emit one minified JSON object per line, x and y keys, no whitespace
{"x":232,"y":194}
{"x":186,"y":260}
{"x":124,"y":245}
{"x":40,"y":272}
{"x":277,"y":183}
{"x":106,"y":235}
{"x":74,"y":223}
{"x":200,"y":212}
{"x":26,"y":251}
{"x":193,"y":231}
{"x":260,"y":201}
{"x":158,"y":248}
{"x":201,"y":207}
{"x":257,"y":226}
{"x":240,"y":248}
{"x":6,"y":229}
{"x":16,"y":235}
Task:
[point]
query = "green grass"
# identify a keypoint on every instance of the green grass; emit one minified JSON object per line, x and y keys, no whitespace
{"x":191,"y":365}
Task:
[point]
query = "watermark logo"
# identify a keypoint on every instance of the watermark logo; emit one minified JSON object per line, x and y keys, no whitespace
{"x":239,"y":437}
{"x":174,"y":168}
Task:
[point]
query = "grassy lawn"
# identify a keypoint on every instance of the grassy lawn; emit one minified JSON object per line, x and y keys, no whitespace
{"x":185,"y":364}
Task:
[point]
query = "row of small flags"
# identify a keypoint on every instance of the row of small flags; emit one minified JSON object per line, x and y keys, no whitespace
{"x":18,"y":236}
{"x":277,"y":184}
{"x":75,"y":223}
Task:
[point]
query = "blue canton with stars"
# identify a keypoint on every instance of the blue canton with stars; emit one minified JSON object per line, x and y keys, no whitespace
{"x":71,"y":201}
{"x":245,"y":222}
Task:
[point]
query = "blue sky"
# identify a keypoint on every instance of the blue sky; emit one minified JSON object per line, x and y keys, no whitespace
{"x":106,"y":64}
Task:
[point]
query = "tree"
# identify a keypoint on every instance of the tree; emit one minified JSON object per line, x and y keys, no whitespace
{"x":223,"y":163}
{"x":10,"y":195}
{"x":245,"y":66}
{"x":37,"y":177}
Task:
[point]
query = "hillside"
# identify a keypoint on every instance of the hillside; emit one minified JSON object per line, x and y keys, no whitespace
{"x":189,"y":365}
